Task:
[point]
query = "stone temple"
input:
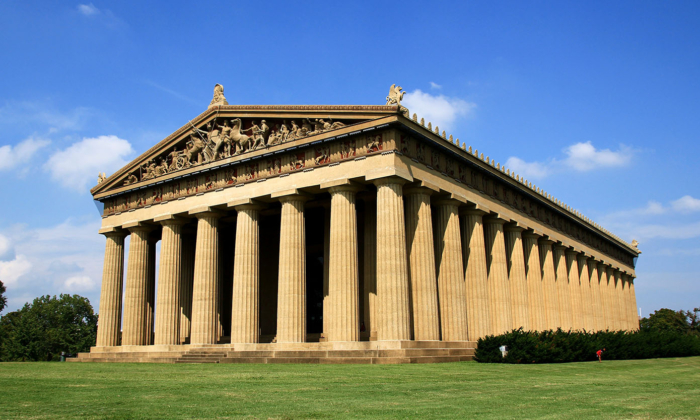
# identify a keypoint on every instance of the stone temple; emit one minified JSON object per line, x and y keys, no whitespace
{"x":339,"y":234}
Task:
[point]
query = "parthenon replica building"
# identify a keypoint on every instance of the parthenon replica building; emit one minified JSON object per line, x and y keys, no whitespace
{"x":339,"y":234}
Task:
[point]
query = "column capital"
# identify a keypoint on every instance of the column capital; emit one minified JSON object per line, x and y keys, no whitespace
{"x":389,"y":180}
{"x":572,"y":252}
{"x":169,"y":220}
{"x":291,"y":195}
{"x":513,"y":227}
{"x":138,"y":227}
{"x":246,"y":204}
{"x":113,"y":232}
{"x":206,"y":211}
{"x":531,"y":234}
{"x":559,"y":246}
{"x":546,"y":241}
{"x":341,"y":185}
{"x":494,"y":220}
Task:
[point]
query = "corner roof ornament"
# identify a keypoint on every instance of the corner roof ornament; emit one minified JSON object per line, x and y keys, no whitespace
{"x":395,"y":96}
{"x":219,"y":98}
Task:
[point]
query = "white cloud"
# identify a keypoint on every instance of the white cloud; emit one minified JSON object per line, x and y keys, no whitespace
{"x":11,"y":157}
{"x":77,"y":166}
{"x":585,"y":157}
{"x":88,"y":9}
{"x":441,"y":110}
{"x":580,"y":157}
{"x":54,"y":260}
{"x":686,"y":204}
{"x":10,"y":271}
{"x":529,"y":170}
{"x":40,"y":116}
{"x":434,"y":85}
{"x":7,"y":252}
{"x":79,"y":284}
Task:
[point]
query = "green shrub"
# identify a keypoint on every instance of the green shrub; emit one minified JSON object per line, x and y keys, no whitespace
{"x":565,"y":346}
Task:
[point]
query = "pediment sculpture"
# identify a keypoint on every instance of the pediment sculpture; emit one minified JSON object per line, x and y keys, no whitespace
{"x":224,"y":137}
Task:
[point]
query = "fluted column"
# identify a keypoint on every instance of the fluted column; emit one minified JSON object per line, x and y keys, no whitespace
{"x":612,"y":299}
{"x":422,"y":272}
{"x":549,"y":285}
{"x":343,"y":283}
{"x":370,"y":267}
{"x":151,"y":290}
{"x":109,"y":325}
{"x":499,"y":289}
{"x":169,"y":284}
{"x":187,"y":272}
{"x":517,"y":278}
{"x":563,"y":293}
{"x":475,"y":274}
{"x":451,"y":287}
{"x":619,"y":301}
{"x":326,"y":269}
{"x":587,"y":305}
{"x":597,"y":295}
{"x":205,"y":327}
{"x":626,"y":304}
{"x":291,"y":294}
{"x":535,"y":293}
{"x":245,"y":317}
{"x":136,"y":296}
{"x":605,"y":297}
{"x":633,"y":300}
{"x":392,"y":265}
{"x":575,"y":293}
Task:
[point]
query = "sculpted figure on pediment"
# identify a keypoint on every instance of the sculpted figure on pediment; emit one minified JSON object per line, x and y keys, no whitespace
{"x":101,"y":177}
{"x":219,"y":98}
{"x":131,"y":179}
{"x":283,"y":131}
{"x":241,"y":141}
{"x":395,"y":95}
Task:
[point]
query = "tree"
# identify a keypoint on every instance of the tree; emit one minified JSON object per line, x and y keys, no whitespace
{"x":3,"y":298}
{"x":666,"y":320}
{"x":694,"y":321}
{"x":46,"y":327}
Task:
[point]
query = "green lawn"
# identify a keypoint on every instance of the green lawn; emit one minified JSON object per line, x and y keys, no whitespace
{"x":663,"y":388}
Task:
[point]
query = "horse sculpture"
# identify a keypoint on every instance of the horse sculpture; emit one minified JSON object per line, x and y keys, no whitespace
{"x":240,"y":140}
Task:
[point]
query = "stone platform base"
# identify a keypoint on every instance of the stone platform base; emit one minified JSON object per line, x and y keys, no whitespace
{"x":373,"y":352}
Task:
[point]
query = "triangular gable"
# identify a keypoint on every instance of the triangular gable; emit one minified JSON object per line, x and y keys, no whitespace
{"x":227,"y":131}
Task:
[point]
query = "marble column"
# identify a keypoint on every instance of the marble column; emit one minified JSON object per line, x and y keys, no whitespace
{"x":549,"y":285}
{"x":169,"y":283}
{"x":612,"y":300}
{"x":621,"y":319}
{"x":626,"y":305}
{"x":291,"y":294}
{"x":205,"y":326}
{"x":597,"y":295}
{"x":535,"y":292}
{"x":392,"y":263}
{"x":188,"y":252}
{"x":422,"y":272}
{"x":475,"y":274}
{"x":110,"y":321}
{"x":563,"y":293}
{"x":451,"y":287}
{"x":151,"y":289}
{"x":633,"y":299}
{"x":370,"y":267}
{"x":245,"y":316}
{"x":136,"y":296}
{"x":343,"y":282}
{"x":575,"y":290}
{"x":499,"y":289}
{"x":517,"y":278}
{"x":586,"y":294}
{"x":326,"y":269}
{"x":605,"y":297}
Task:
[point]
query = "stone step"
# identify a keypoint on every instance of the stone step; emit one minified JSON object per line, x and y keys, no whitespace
{"x":197,"y":360}
{"x":250,"y":353}
{"x":199,"y":355}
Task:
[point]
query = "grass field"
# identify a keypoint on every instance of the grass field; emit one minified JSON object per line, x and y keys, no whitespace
{"x":663,"y":388}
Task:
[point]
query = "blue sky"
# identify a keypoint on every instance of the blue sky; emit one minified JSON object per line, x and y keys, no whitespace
{"x":595,"y":102}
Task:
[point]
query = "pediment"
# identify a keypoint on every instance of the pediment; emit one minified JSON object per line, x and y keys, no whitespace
{"x":232,"y":132}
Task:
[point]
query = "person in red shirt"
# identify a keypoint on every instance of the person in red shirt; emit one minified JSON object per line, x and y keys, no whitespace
{"x":599,"y":353}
